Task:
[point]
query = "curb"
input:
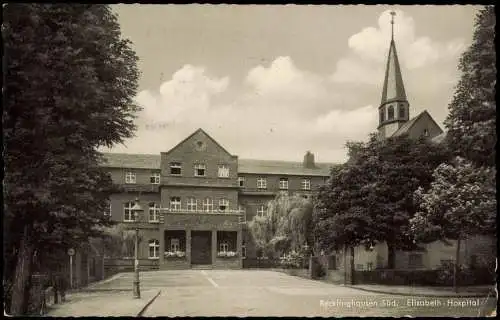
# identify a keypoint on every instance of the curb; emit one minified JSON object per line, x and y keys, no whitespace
{"x":148,"y":304}
{"x":103,"y":290}
{"x":469,"y":295}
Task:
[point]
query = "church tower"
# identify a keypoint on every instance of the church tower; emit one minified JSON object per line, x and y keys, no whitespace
{"x":394,"y":106}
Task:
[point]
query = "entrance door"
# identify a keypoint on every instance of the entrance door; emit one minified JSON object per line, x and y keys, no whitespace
{"x":201,"y":247}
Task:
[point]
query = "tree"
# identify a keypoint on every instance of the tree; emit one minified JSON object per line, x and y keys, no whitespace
{"x":285,"y":227}
{"x":370,"y":199}
{"x":460,"y":202}
{"x":69,"y":84}
{"x":471,"y":122}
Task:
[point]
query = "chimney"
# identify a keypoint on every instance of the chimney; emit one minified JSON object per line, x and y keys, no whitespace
{"x":309,"y":161}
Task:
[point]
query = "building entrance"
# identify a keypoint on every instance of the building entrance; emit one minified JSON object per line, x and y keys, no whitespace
{"x":201,"y":247}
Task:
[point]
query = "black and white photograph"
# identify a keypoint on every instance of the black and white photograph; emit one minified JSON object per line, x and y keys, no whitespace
{"x":215,"y":160}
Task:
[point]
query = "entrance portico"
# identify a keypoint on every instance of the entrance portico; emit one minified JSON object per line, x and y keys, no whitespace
{"x":209,"y":239}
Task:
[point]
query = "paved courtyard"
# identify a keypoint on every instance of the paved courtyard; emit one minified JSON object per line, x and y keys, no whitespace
{"x":268,"y":293}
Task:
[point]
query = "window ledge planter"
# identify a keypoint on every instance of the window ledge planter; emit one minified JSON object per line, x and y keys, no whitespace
{"x":227,"y":254}
{"x":175,"y":255}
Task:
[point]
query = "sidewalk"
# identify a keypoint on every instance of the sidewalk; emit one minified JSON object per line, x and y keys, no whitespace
{"x":472,"y":291}
{"x":85,"y":304}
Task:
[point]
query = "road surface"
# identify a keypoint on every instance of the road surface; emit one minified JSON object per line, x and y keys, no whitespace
{"x":269,"y":293}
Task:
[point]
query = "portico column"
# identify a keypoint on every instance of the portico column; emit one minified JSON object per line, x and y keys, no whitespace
{"x":188,"y":246}
{"x":238,"y":246}
{"x":214,"y":245}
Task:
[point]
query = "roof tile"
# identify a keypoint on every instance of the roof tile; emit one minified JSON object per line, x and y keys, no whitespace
{"x":152,"y":161}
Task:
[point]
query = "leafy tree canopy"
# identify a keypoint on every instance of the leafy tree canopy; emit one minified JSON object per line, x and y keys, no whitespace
{"x":460,"y":202}
{"x":370,"y":199}
{"x":285,"y":226}
{"x":471,"y":122}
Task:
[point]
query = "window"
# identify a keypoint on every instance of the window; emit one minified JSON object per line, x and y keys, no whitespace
{"x":154,"y":249}
{"x":382,"y":118}
{"x":174,"y":245}
{"x":130,"y":177}
{"x":243,"y":250}
{"x":261,"y":183}
{"x":108,"y":211}
{"x":154,"y":212}
{"x":175,"y":168}
{"x":243,"y":212}
{"x":390,"y":113}
{"x":128,"y":214}
{"x":192,"y":204}
{"x":199,"y":170}
{"x":369,"y":266}
{"x":175,"y":203}
{"x":426,"y":133}
{"x":224,"y":247}
{"x":223,"y":171}
{"x":402,"y":111}
{"x":223,"y":204}
{"x":415,"y":260}
{"x":241,"y":181}
{"x":155,"y":178}
{"x":359,"y":267}
{"x":284,"y":183}
{"x":208,"y":205}
{"x":261,"y":210}
{"x":306,"y":184}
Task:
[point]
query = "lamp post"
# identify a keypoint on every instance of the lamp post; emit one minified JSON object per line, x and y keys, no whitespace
{"x":137,"y":210}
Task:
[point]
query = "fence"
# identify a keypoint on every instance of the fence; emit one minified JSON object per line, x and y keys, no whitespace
{"x":438,"y":277}
{"x":270,"y":263}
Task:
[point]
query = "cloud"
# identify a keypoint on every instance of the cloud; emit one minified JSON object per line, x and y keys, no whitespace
{"x":369,"y":49}
{"x":190,"y":90}
{"x":279,"y":110}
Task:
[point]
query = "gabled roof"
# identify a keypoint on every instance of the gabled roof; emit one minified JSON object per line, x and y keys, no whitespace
{"x":152,"y":161}
{"x":439,"y":138}
{"x":405,"y":128}
{"x":194,"y":133}
{"x":128,"y":160}
{"x":393,"y":89}
{"x":281,"y":167}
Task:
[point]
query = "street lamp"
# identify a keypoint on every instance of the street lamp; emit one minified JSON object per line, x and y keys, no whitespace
{"x":137,"y":211}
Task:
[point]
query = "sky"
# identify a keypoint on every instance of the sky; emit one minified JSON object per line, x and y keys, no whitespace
{"x":272,"y":82}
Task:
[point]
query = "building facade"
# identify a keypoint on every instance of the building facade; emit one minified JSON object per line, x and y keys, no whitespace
{"x":198,"y":197}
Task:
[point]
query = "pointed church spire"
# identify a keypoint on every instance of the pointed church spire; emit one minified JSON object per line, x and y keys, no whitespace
{"x":394,"y":109}
{"x":392,"y":25}
{"x":394,"y":89}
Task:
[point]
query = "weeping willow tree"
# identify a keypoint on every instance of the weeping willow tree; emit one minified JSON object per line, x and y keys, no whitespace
{"x":285,"y":227}
{"x":119,"y":241}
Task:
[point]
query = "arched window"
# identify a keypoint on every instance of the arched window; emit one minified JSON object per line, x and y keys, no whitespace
{"x":154,"y":249}
{"x":382,"y":118}
{"x":224,"y":246}
{"x":390,"y":112}
{"x":402,"y":113}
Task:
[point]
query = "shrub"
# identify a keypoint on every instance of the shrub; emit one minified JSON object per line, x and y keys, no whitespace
{"x":317,"y":268}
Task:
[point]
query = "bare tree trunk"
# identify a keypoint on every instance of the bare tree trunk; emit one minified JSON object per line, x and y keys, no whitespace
{"x":456,"y":269}
{"x":22,"y":274}
{"x":345,"y":264}
{"x":353,"y":281}
{"x":391,"y":256}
